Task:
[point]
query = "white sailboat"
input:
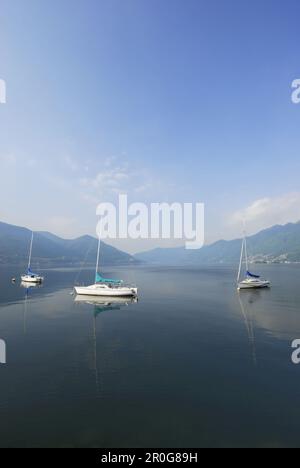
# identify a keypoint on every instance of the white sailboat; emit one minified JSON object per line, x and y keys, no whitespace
{"x":31,"y":277}
{"x":250,"y":280}
{"x":106,"y":287}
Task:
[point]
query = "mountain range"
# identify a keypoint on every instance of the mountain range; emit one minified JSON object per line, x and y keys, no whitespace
{"x":278,"y":244}
{"x":51,"y":250}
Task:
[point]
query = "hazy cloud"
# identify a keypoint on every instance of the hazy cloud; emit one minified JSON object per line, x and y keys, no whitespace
{"x":267,"y":212}
{"x":114,"y":178}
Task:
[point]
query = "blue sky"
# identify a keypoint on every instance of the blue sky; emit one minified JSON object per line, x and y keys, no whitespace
{"x":166,"y":100}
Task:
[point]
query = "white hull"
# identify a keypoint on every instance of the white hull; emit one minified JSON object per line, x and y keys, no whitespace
{"x":253,"y":284}
{"x":32,"y":279}
{"x":104,"y":290}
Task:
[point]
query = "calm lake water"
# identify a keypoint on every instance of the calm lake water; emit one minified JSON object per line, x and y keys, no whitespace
{"x":191,"y":364}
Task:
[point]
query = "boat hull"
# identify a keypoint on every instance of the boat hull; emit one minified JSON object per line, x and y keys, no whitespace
{"x":102,"y":291}
{"x":254,"y":285}
{"x":32,"y":279}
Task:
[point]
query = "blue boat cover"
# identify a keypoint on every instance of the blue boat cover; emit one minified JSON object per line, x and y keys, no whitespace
{"x":99,"y":279}
{"x":29,"y":272}
{"x":251,"y":275}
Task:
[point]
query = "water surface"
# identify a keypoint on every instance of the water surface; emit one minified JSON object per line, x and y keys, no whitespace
{"x":191,"y":364}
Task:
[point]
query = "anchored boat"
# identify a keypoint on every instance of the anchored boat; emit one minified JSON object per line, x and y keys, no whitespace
{"x":250,"y":280}
{"x":105,"y":286}
{"x":31,"y":277}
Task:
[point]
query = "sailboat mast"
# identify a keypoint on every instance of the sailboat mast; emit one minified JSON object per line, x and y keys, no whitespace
{"x":246,"y":254}
{"x":30,"y":251}
{"x":98,"y":257}
{"x":241,"y":260}
{"x":245,"y":244}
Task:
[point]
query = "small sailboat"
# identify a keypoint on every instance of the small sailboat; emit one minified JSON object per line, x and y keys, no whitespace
{"x":105,"y":286}
{"x":250,"y":281}
{"x":31,"y":277}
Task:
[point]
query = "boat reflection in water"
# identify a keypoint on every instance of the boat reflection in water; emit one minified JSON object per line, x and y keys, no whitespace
{"x":247,"y":301}
{"x":102,"y":304}
{"x":106,"y":302}
{"x":27,"y":287}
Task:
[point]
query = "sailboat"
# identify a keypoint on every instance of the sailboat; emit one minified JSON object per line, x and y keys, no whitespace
{"x":31,"y":277}
{"x":105,"y":286}
{"x":250,"y":280}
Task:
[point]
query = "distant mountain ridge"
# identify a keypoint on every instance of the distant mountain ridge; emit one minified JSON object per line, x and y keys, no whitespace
{"x":51,"y":250}
{"x":278,"y":244}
